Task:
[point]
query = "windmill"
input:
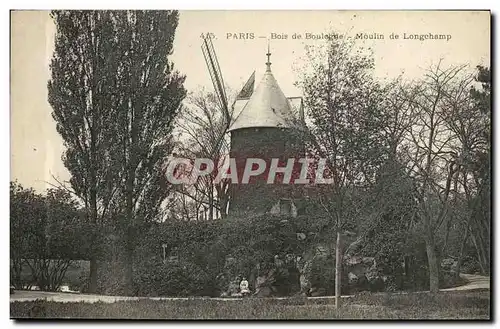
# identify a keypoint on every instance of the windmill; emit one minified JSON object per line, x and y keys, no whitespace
{"x":214,"y":70}
{"x":221,"y":188}
{"x":261,"y":129}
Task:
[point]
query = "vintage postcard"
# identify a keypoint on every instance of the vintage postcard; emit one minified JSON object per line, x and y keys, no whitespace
{"x":250,"y":164}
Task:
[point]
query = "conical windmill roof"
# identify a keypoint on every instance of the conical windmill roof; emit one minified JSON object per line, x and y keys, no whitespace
{"x":267,"y":107}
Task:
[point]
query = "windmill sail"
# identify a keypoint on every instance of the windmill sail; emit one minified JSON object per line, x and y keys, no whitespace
{"x":207,"y":48}
{"x":247,"y":89}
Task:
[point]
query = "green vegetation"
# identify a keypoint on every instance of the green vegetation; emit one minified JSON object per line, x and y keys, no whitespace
{"x":76,"y":275}
{"x":471,"y":305}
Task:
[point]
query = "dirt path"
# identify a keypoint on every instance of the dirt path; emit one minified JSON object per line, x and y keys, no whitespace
{"x":475,"y":282}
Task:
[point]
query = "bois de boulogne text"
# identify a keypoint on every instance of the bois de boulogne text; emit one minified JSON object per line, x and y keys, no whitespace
{"x":328,"y":36}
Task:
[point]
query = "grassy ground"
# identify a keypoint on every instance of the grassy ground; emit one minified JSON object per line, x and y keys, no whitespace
{"x":450,"y":305}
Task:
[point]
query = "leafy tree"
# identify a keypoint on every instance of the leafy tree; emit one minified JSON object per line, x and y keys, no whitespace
{"x":388,"y":221}
{"x":81,"y":91}
{"x":342,"y":99}
{"x":25,"y":207}
{"x":147,"y":98}
{"x":56,"y":239}
{"x":115,"y":95}
{"x":46,"y":235}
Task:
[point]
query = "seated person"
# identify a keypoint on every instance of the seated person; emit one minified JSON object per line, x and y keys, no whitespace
{"x":244,"y":290}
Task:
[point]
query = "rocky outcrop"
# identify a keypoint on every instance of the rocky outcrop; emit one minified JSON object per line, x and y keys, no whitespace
{"x":305,"y":284}
{"x":280,"y":278}
{"x":363,"y":274}
{"x":316,"y":271}
{"x":317,"y":291}
{"x":264,"y":285}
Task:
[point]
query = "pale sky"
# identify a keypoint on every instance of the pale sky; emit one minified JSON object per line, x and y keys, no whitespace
{"x":36,"y":146}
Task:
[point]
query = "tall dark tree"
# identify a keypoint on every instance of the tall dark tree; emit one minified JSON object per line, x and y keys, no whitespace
{"x":114,"y":96}
{"x":149,"y":93}
{"x":81,"y":92}
{"x":482,"y":172}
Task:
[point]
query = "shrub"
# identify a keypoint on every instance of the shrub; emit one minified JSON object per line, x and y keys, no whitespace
{"x":181,"y":278}
{"x":322,"y":275}
{"x":469,"y":265}
{"x":82,"y":284}
{"x":110,"y":278}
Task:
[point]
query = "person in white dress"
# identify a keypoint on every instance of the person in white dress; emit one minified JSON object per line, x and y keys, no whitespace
{"x":244,"y":290}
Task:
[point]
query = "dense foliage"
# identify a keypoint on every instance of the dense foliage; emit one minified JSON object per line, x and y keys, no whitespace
{"x":115,"y":95}
{"x":200,"y":258}
{"x":47,"y":232}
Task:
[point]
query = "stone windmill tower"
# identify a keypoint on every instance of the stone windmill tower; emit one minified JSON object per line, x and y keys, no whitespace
{"x":265,"y":127}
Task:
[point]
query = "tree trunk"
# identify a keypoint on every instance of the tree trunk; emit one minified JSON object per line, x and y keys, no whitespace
{"x":16,"y":270}
{"x":433,"y":263}
{"x":479,"y":255}
{"x":132,"y":150}
{"x":94,"y":245}
{"x":129,"y":242}
{"x":93,"y":275}
{"x":447,"y":235}
{"x":223,"y":199}
{"x":338,"y":270}
{"x":210,"y":200}
{"x":480,"y":238}
{"x":462,"y":249}
{"x":129,"y":264}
